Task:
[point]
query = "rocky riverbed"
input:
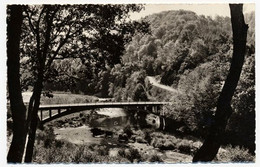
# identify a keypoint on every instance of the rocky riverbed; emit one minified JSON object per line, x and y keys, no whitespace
{"x":78,"y":131}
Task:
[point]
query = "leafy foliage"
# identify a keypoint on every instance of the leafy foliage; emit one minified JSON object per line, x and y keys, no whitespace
{"x":188,"y":52}
{"x":192,"y":54}
{"x":244,"y":109}
{"x":93,"y":35}
{"x":179,"y":42}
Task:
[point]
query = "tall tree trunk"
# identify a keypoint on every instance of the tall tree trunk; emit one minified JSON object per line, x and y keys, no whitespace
{"x":34,"y":106}
{"x":34,"y":116}
{"x":18,"y":109}
{"x":211,"y":145}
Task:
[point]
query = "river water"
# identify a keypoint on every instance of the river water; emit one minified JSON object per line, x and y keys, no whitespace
{"x":112,"y":126}
{"x":108,"y":123}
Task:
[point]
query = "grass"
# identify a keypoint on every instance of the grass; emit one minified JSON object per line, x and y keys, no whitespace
{"x":58,"y":98}
{"x":190,"y":147}
{"x":62,"y":98}
{"x":50,"y":150}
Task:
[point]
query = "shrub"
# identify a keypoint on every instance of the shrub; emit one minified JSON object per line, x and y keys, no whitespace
{"x":47,"y":143}
{"x":128,"y":131}
{"x":103,"y":150}
{"x":134,"y":155}
{"x":59,"y":143}
{"x":155,"y":158}
{"x":234,"y":154}
{"x":121,"y":153}
{"x":131,"y":154}
{"x":81,"y":155}
{"x":185,"y":146}
{"x":148,"y":137}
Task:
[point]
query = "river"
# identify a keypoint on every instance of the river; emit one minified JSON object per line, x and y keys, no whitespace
{"x":107,"y":123}
{"x":119,"y":128}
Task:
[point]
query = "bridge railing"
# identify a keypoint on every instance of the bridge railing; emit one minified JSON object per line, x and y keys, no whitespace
{"x":99,"y":104}
{"x":103,"y":104}
{"x":47,"y":112}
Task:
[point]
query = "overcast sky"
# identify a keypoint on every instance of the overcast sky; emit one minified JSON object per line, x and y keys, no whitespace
{"x":201,"y":9}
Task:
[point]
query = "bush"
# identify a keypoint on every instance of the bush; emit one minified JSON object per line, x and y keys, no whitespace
{"x":185,"y":146}
{"x":131,"y":154}
{"x":128,"y":131}
{"x":168,"y":145}
{"x":148,"y":137}
{"x":134,"y":155}
{"x":155,"y":158}
{"x":59,"y":143}
{"x":47,"y":143}
{"x":234,"y":154}
{"x":81,"y":155}
{"x":103,"y":150}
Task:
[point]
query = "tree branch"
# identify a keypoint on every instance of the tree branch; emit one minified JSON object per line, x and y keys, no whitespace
{"x":30,"y":21}
{"x":58,"y":49}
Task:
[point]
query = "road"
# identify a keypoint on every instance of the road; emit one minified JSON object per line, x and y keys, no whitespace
{"x":155,"y":83}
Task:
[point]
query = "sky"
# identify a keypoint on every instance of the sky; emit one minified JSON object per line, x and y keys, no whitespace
{"x":200,"y":9}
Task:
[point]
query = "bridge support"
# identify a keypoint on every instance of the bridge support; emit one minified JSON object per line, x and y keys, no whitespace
{"x":163,"y":108}
{"x":50,"y":115}
{"x":155,"y":109}
{"x":145,"y":108}
{"x":41,"y":115}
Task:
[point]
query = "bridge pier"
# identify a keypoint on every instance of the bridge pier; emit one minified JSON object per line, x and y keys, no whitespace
{"x":145,"y":108}
{"x":163,"y":110}
{"x":50,"y":115}
{"x":154,"y":109}
{"x":41,"y":115}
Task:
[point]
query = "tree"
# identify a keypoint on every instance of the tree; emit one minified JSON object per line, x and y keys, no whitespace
{"x":211,"y":145}
{"x":139,"y":93}
{"x":244,"y":109}
{"x":14,"y":22}
{"x":93,"y":33}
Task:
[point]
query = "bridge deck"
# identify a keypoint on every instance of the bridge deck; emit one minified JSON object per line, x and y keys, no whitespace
{"x":102,"y":105}
{"x":51,"y":112}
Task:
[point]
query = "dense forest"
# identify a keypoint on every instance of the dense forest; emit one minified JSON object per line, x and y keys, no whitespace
{"x":192,"y":54}
{"x":188,"y":52}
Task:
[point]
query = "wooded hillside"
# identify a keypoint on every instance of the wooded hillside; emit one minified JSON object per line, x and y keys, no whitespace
{"x":188,"y":52}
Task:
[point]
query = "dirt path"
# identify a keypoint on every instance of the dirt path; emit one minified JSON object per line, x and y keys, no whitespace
{"x":153,"y":81}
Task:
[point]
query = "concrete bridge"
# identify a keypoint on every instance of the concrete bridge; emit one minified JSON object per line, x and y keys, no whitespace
{"x":50,"y":112}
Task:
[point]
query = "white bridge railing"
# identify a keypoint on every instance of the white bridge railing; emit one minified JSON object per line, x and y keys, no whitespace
{"x":101,"y":104}
{"x":50,"y":112}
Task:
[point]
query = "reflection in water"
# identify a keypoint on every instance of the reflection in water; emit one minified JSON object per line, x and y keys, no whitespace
{"x":116,"y":128}
{"x":118,"y":120}
{"x":108,"y":124}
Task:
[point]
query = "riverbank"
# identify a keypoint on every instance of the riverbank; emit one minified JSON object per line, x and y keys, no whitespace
{"x":70,"y":140}
{"x":73,"y":130}
{"x":78,"y":135}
